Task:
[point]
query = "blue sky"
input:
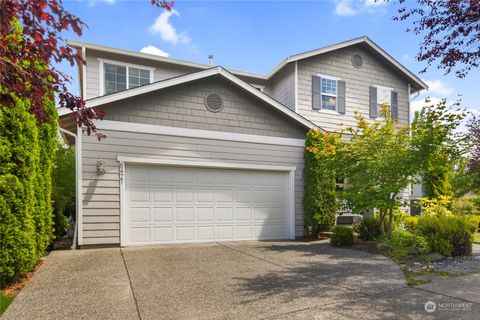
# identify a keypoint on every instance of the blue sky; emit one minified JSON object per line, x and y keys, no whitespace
{"x":256,"y":35}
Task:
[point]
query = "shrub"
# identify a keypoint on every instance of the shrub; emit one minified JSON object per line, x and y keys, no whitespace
{"x":474,"y":222}
{"x":319,"y":198}
{"x":410,"y":224}
{"x":449,"y":236}
{"x":342,"y":236}
{"x":403,"y":244}
{"x":368,"y":229}
{"x":435,"y":207}
{"x":464,"y":206}
{"x":26,"y":151}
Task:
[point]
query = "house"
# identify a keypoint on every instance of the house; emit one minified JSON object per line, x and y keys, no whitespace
{"x":197,"y":153}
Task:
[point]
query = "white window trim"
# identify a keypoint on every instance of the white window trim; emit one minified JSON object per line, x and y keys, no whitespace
{"x":101,"y":63}
{"x":125,"y":161}
{"x":324,"y":76}
{"x":379,"y":114}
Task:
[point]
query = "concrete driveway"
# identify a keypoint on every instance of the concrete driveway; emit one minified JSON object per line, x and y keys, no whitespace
{"x":254,"y":280}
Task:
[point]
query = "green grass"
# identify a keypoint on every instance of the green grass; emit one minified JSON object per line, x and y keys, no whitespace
{"x":476,"y":238}
{"x":4,"y":302}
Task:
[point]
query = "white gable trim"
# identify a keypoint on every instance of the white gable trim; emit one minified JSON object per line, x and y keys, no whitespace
{"x":195,"y":133}
{"x":95,"y":102}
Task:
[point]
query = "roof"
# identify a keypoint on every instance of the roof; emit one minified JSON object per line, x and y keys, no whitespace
{"x":416,"y":83}
{"x":101,"y":100}
{"x":92,"y":46}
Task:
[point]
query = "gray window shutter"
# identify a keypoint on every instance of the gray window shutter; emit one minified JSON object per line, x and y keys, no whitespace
{"x":373,"y":102}
{"x":341,"y":96}
{"x":394,"y":105}
{"x":316,"y":94}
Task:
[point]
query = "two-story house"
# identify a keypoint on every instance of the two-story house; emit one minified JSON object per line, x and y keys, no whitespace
{"x":196,"y":153}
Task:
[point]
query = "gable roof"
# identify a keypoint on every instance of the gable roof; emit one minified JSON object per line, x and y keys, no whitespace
{"x":417,"y":83}
{"x":101,"y":100}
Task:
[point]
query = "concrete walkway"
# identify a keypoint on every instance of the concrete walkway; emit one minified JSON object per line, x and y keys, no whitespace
{"x":255,"y":280}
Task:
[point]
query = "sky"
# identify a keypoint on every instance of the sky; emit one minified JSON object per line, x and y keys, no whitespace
{"x":257,"y":35}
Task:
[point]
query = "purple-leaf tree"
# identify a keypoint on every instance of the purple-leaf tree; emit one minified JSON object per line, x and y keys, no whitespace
{"x":450,"y":29}
{"x":27,"y":55}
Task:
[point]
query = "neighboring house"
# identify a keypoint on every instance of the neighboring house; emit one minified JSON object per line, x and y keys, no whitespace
{"x":198,"y":153}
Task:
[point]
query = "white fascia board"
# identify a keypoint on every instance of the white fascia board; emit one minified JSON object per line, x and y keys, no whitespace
{"x":92,"y":46}
{"x":195,"y":133}
{"x":205,"y":164}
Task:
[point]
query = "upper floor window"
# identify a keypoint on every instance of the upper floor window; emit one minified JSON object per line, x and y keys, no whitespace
{"x":384,"y":96}
{"x":118,"y":77}
{"x":329,"y":94}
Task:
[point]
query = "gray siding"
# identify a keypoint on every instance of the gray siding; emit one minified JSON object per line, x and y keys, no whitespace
{"x":101,"y":205}
{"x":183,"y":106}
{"x":282,"y":86}
{"x":338,"y":64}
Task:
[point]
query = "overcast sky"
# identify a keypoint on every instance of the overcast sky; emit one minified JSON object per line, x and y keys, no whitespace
{"x":257,"y":35}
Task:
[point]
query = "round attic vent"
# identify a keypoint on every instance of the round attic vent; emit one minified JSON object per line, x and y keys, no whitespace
{"x":213,"y":102}
{"x":357,"y":61}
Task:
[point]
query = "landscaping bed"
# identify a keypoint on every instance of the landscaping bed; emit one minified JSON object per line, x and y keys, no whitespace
{"x":9,"y":293}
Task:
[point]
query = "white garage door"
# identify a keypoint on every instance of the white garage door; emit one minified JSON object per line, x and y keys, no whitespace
{"x":179,"y":204}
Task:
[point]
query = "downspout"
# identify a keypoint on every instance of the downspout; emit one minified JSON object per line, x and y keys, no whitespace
{"x":74,"y":242}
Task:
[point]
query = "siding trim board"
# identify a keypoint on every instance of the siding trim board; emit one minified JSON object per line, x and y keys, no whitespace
{"x":195,"y":133}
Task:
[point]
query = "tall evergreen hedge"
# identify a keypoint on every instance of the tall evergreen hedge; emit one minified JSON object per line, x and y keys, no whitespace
{"x":319,"y":196}
{"x":27,"y":151}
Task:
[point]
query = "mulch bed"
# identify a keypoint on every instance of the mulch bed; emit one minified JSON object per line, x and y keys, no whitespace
{"x":14,"y":289}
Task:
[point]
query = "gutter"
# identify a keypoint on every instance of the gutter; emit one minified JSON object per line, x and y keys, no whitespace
{"x":63,"y":131}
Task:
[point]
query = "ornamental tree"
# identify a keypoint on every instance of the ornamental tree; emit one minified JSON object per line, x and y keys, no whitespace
{"x":27,"y":54}
{"x":378,"y":164}
{"x":437,"y":145}
{"x":451,"y":32}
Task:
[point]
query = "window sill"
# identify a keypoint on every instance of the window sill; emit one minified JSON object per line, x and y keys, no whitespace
{"x":327,"y":111}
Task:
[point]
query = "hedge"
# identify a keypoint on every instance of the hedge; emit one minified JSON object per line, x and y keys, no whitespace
{"x":27,"y":151}
{"x":319,"y":195}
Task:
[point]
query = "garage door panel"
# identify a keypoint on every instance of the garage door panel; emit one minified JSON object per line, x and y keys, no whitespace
{"x":138,"y":234}
{"x":205,"y":214}
{"x":184,"y":233}
{"x":244,"y":213}
{"x":173,"y":204}
{"x":225,"y":232}
{"x":140,"y":214}
{"x":243,"y":196}
{"x":184,"y":195}
{"x":163,"y":234}
{"x":224,"y":195}
{"x":206,"y":233}
{"x":138,"y":194}
{"x":205,"y":195}
{"x":162,"y":195}
{"x":225,"y":214}
{"x":162,"y":214}
{"x":184,"y":214}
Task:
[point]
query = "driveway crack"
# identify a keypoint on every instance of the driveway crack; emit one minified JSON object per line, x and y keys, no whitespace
{"x":131,"y":286}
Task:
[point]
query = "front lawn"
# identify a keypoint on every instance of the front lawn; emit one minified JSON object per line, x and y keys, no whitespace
{"x":5,"y":300}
